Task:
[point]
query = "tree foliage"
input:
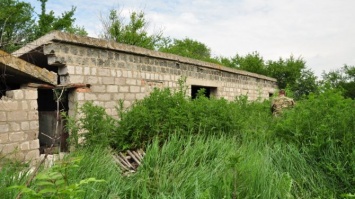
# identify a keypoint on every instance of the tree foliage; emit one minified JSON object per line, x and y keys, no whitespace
{"x":48,"y":22}
{"x":342,"y":79}
{"x":16,"y":24}
{"x":252,"y":62}
{"x":287,"y":72}
{"x":188,"y":48}
{"x":133,"y":33}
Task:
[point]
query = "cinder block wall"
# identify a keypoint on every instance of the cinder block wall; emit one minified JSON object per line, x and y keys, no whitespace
{"x":19,"y":124}
{"x":120,"y":74}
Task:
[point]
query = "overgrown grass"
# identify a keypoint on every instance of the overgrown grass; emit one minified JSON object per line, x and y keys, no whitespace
{"x":200,"y":166}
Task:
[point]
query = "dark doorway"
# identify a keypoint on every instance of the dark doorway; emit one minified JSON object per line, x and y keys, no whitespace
{"x":50,"y":125}
{"x":209,"y":91}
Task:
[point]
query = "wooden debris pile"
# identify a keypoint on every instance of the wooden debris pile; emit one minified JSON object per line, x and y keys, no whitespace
{"x":130,"y":160}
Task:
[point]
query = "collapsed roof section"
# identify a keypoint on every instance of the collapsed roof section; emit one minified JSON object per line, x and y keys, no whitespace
{"x":17,"y":71}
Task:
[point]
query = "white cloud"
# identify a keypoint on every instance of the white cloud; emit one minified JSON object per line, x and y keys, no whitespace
{"x":320,"y":31}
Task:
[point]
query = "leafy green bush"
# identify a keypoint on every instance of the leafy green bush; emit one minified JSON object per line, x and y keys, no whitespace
{"x":54,"y":183}
{"x":323,"y":127}
{"x":91,"y":126}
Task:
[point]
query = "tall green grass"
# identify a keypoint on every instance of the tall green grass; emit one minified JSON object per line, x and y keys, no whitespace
{"x":199,"y":166}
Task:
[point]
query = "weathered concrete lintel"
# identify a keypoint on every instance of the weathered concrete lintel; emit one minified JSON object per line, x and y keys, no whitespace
{"x":9,"y":63}
{"x":60,"y":86}
{"x":57,"y":36}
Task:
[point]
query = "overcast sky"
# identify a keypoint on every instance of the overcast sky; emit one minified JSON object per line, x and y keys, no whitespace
{"x":322,"y":32}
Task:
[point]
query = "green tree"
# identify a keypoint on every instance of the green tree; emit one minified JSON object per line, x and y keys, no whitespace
{"x":251,"y":62}
{"x":49,"y":22}
{"x":305,"y":84}
{"x":342,"y":79}
{"x":16,"y":24}
{"x":188,"y":48}
{"x":287,"y":72}
{"x":133,"y":33}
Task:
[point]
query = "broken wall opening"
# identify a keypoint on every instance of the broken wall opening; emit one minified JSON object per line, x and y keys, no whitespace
{"x":51,"y":125}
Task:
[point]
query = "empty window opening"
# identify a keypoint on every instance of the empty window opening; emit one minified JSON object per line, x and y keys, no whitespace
{"x":209,"y":91}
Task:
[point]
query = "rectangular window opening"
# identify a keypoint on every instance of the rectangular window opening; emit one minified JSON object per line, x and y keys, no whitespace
{"x":209,"y":91}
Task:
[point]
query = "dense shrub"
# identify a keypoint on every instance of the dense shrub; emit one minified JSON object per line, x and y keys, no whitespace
{"x":91,"y":126}
{"x":323,"y":128}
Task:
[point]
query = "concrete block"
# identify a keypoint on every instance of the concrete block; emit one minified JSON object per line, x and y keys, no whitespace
{"x":76,"y":79}
{"x":92,"y":79}
{"x":70,"y":70}
{"x":79,"y":70}
{"x":8,"y":148}
{"x":113,"y":72}
{"x":143,"y":89}
{"x":93,"y":71}
{"x":17,"y":136}
{"x":118,"y":73}
{"x":129,"y":74}
{"x":2,"y":116}
{"x":130,"y":96}
{"x":108,"y":80}
{"x":103,"y":72}
{"x":124,"y":73}
{"x":4,"y":138}
{"x":112,"y":88}
{"x":127,"y":103}
{"x":86,"y":70}
{"x":9,"y":105}
{"x":111,"y":104}
{"x":124,"y":89}
{"x":15,"y":94}
{"x":167,"y":78}
{"x":140,"y":96}
{"x":32,"y":115}
{"x":24,"y":105}
{"x":132,"y":82}
{"x":118,"y":96}
{"x":120,"y":81}
{"x":134,"y":89}
{"x":17,"y":116}
{"x":32,"y":155}
{"x":135,"y":74}
{"x":34,"y":125}
{"x":34,"y":144}
{"x":24,"y":146}
{"x":90,"y":96}
{"x":32,"y":134}
{"x":104,"y":96}
{"x":98,"y":88}
{"x":30,"y":94}
{"x":80,"y":96}
{"x":15,"y":126}
{"x":25,"y":126}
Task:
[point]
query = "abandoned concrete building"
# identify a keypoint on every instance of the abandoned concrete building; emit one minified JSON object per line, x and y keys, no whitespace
{"x":91,"y":69}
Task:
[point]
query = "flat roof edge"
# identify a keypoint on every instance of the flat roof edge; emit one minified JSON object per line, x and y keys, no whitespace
{"x":57,"y":36}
